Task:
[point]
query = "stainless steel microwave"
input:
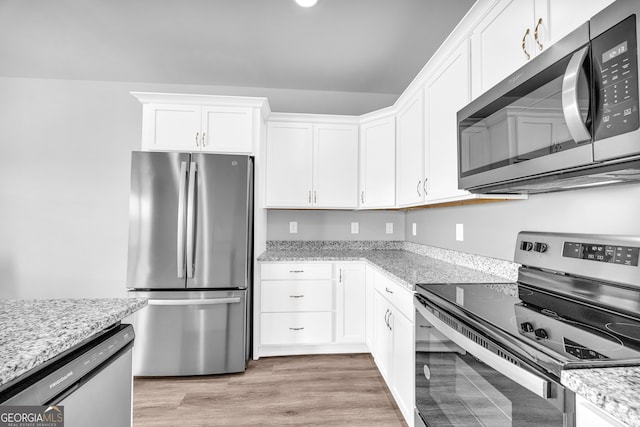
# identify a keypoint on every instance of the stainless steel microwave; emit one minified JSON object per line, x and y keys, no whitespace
{"x":567,"y":119}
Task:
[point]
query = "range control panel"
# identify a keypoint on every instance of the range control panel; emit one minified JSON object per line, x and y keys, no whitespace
{"x":624,"y":255}
{"x":612,"y":258}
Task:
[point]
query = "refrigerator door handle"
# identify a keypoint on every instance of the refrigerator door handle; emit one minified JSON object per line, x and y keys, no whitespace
{"x":209,"y":301}
{"x":191,"y":219}
{"x":181,"y":212}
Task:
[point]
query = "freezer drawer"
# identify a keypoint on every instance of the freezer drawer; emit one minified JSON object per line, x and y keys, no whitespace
{"x":190,"y":333}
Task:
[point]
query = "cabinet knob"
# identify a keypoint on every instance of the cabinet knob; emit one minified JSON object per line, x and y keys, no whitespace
{"x":418,"y":188}
{"x":362,"y":197}
{"x":203,"y":140}
{"x":197,"y":135}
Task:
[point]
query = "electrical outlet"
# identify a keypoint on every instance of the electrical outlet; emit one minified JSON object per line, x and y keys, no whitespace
{"x":460,"y":232}
{"x":293,"y":227}
{"x":414,"y":229}
{"x":355,"y":228}
{"x":389,"y":228}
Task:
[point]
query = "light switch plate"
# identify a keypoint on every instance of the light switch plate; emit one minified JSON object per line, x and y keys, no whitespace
{"x":460,"y":232}
{"x":355,"y":228}
{"x":293,"y":227}
{"x":389,"y":228}
{"x":414,"y":229}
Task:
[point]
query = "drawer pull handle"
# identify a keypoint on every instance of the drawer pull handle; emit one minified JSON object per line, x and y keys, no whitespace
{"x":387,"y":289}
{"x":296,"y":296}
{"x":296,"y":329}
{"x":296,"y":271}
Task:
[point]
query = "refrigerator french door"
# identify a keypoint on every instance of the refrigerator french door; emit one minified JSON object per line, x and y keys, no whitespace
{"x":190,"y":240}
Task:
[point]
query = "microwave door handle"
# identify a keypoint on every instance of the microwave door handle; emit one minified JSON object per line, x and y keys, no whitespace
{"x":528,"y":380}
{"x":570,"y":106}
{"x":181,"y":214}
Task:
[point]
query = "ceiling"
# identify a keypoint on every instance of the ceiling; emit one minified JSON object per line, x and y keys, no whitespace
{"x":365,"y":46}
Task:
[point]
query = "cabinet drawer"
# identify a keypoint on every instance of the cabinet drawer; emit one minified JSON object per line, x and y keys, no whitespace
{"x":295,"y":271}
{"x":294,"y":295}
{"x":396,"y":294}
{"x":295,"y":328}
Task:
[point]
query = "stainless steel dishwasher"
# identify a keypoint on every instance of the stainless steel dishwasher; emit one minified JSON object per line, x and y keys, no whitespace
{"x":92,"y":382}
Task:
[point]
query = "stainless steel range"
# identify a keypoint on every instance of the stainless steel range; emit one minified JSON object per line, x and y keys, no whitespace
{"x":493,"y":355}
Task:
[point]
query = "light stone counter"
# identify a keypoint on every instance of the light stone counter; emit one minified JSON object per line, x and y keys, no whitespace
{"x":406,"y":266}
{"x":614,"y":390}
{"x":35,"y":331}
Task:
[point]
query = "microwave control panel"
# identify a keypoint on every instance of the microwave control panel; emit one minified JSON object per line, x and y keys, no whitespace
{"x":615,"y":57}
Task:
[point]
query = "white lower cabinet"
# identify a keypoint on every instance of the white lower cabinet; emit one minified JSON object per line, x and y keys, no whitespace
{"x":393,"y":348}
{"x":313,"y":307}
{"x":342,"y":307}
{"x":589,"y":415}
{"x":351,"y":317}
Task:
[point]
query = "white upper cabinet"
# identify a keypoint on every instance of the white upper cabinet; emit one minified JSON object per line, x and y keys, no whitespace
{"x":227,"y":129}
{"x":312,"y":165}
{"x":503,"y":41}
{"x":567,"y":15}
{"x":215,"y":124}
{"x":335,"y":166}
{"x":410,"y":152}
{"x":289,"y":164}
{"x":445,"y":93}
{"x":515,"y":31}
{"x":378,"y":163}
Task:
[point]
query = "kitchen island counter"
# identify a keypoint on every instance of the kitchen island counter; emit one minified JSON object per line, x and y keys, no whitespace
{"x":36,"y":331}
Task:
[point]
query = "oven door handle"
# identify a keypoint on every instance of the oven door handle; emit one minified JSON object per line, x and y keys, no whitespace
{"x":528,"y":380}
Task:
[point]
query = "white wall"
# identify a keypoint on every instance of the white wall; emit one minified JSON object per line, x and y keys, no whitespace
{"x":64,"y":177}
{"x":490,"y":229}
{"x":334,"y":225}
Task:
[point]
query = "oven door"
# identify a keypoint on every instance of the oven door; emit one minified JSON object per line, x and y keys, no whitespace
{"x":471,"y":381}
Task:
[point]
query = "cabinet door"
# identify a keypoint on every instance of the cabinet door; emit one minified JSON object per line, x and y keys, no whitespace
{"x":289,"y":164}
{"x":383,"y":339}
{"x":227,"y":129}
{"x":589,"y":415}
{"x":567,"y":15}
{"x":335,"y":166}
{"x":447,"y":93}
{"x":403,"y":363}
{"x":171,"y":127}
{"x":410,"y":146}
{"x":350,"y":303}
{"x":378,"y":163}
{"x":497,"y":42}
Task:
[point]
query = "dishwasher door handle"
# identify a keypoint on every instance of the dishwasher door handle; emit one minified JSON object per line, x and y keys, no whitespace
{"x":208,"y":301}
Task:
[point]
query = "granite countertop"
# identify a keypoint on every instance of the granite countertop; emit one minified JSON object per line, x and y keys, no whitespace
{"x":34,"y":331}
{"x":614,"y":390}
{"x":407,"y":268}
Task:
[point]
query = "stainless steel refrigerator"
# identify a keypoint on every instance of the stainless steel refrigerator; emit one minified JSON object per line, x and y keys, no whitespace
{"x":190,"y":254}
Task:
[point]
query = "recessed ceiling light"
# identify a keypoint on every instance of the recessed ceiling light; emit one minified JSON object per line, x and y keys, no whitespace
{"x":306,"y":3}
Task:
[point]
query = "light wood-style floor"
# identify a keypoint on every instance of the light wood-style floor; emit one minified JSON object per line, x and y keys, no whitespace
{"x":316,"y":390}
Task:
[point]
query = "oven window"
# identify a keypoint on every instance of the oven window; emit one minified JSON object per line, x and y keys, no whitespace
{"x":455,"y":389}
{"x":526,"y":123}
